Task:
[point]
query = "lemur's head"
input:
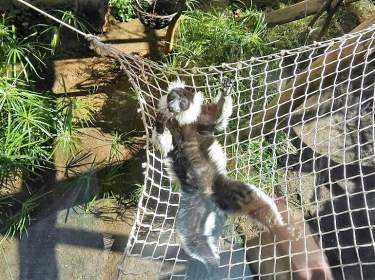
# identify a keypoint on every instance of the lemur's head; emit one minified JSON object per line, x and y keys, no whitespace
{"x":184,"y":104}
{"x":179,"y":100}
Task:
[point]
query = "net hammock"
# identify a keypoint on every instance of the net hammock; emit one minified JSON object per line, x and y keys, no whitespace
{"x":303,"y":128}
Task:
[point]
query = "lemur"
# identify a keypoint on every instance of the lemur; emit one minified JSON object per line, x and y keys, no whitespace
{"x":184,"y":133}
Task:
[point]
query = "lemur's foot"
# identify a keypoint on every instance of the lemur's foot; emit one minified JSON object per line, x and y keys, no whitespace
{"x":232,"y":196}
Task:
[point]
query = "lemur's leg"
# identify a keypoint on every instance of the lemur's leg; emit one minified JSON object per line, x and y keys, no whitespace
{"x":237,"y":197}
{"x":199,"y":223}
{"x":161,"y":135}
{"x":224,"y":104}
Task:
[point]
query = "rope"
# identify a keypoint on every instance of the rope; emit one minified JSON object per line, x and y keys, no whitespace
{"x":85,"y":35}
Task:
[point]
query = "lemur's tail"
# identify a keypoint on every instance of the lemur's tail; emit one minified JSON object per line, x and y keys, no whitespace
{"x":237,"y":197}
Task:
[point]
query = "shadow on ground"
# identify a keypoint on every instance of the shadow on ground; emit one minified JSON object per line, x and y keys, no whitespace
{"x":72,"y":236}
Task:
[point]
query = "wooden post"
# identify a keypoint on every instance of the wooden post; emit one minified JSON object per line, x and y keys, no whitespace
{"x":171,"y":33}
{"x":297,"y":11}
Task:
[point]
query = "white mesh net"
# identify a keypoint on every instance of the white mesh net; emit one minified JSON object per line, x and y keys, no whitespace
{"x":303,"y":128}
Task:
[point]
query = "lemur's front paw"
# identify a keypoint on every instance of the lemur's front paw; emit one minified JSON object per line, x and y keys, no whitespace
{"x":160,"y":122}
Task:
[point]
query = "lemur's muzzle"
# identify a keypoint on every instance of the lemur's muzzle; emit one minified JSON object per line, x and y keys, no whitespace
{"x":174,"y":106}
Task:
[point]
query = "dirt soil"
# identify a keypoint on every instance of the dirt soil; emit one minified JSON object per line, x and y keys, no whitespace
{"x":75,"y":235}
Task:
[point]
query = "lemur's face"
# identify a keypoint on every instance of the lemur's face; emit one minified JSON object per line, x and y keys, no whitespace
{"x":178,"y":100}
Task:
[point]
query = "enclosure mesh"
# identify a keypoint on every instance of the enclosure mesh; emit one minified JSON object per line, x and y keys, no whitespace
{"x":302,"y":128}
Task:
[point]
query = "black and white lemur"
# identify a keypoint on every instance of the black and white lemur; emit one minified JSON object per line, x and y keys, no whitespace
{"x":184,"y":133}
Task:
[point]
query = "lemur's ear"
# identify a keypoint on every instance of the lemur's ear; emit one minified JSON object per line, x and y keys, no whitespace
{"x":176,"y":84}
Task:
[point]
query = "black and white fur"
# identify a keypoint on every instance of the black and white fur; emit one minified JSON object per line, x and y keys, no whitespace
{"x":184,"y":133}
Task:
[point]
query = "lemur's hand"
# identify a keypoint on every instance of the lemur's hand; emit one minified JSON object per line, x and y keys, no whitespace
{"x":161,"y":121}
{"x":227,"y":86}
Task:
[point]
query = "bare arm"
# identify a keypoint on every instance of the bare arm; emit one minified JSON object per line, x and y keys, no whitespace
{"x":308,"y":261}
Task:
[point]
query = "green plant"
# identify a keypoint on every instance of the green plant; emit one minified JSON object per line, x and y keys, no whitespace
{"x":204,"y":38}
{"x":83,"y":115}
{"x":16,"y":222}
{"x":26,"y":127}
{"x":192,"y":4}
{"x":31,"y":122}
{"x":67,"y":135}
{"x":54,"y":31}
{"x":280,"y":37}
{"x":116,"y":141}
{"x":19,"y":58}
{"x":136,"y":194}
{"x":122,"y":9}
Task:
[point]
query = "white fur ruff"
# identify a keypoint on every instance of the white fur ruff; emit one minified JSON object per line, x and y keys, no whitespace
{"x":223,"y":120}
{"x":163,"y":142}
{"x":191,"y":115}
{"x":176,"y":84}
{"x":217,"y":155}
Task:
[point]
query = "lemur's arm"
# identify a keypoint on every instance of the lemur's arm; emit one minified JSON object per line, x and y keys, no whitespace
{"x":224,"y":106}
{"x":161,"y":135}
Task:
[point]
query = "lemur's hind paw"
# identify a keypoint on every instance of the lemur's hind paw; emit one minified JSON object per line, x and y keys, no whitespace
{"x":241,"y":198}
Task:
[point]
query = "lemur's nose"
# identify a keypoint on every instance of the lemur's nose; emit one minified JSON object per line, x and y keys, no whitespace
{"x":173,"y":106}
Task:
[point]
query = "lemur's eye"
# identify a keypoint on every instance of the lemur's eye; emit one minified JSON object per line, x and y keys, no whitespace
{"x":170,"y":97}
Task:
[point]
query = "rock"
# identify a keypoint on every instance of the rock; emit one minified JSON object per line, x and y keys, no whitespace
{"x":333,"y":171}
{"x":268,"y":254}
{"x":83,"y":75}
{"x":66,"y":242}
{"x":95,"y":147}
